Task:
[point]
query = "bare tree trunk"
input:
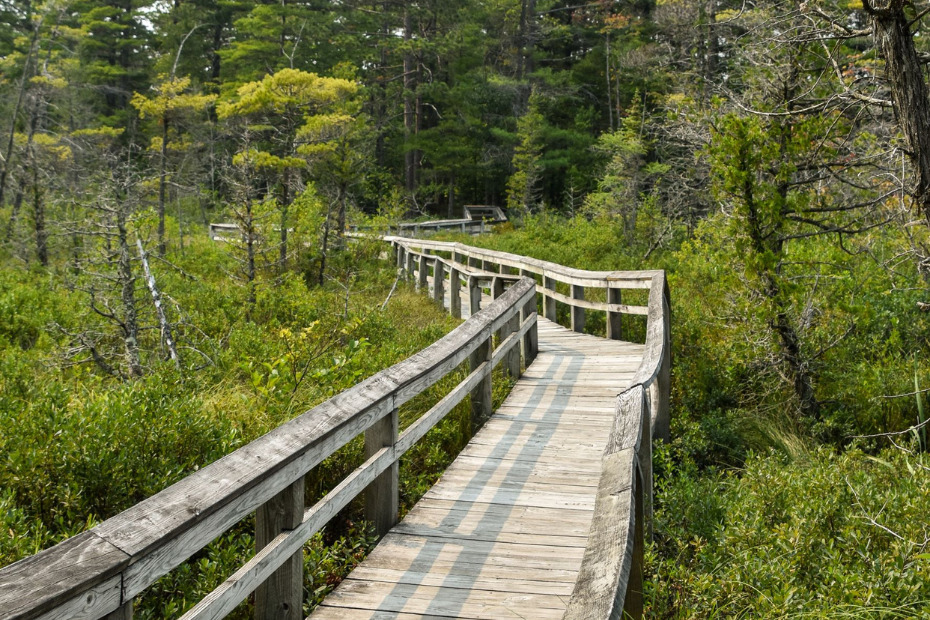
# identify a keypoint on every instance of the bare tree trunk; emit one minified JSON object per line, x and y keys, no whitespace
{"x":166,"y":334}
{"x":324,"y":248}
{"x":341,"y":215}
{"x":410,"y":121}
{"x":285,"y":199}
{"x":903,"y":69}
{"x":7,"y":158}
{"x":250,"y":252}
{"x":38,"y":214}
{"x":162,"y":182}
{"x":21,"y":190}
{"x":127,"y":282}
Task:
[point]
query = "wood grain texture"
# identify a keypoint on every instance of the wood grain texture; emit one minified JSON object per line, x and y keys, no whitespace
{"x":76,"y":574}
{"x":509,"y":520}
{"x":280,"y":596}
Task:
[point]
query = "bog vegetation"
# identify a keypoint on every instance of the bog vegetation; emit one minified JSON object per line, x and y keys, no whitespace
{"x":773,"y":157}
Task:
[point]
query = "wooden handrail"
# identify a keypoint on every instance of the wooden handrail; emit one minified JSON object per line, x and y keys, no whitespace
{"x":96,"y":574}
{"x":609,"y":584}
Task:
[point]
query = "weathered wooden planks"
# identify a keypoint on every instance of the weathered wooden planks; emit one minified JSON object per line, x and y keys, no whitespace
{"x":502,"y":533}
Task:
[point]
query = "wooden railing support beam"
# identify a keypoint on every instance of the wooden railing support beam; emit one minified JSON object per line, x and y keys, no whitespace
{"x":474,"y":296}
{"x":531,"y":338}
{"x":409,"y":271}
{"x":382,"y":497}
{"x":481,"y":396}
{"x":633,"y":599}
{"x":423,"y":274}
{"x":455,"y":293}
{"x":439,"y":281}
{"x":281,"y":595}
{"x":124,"y":612}
{"x":549,"y":302}
{"x":577,"y":313}
{"x":614,"y":319}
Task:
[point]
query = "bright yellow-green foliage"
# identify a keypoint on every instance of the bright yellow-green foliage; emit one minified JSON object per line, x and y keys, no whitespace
{"x":262,"y":160}
{"x":287,"y":92}
{"x":170,"y":96}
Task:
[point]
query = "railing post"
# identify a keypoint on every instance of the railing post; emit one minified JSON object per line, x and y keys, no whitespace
{"x":663,"y":380}
{"x":399,"y":249}
{"x":423,"y":274}
{"x":548,"y":301}
{"x":512,"y":359}
{"x":439,"y":280}
{"x":531,"y":338}
{"x":281,"y":595}
{"x":382,"y":496}
{"x":497,"y":287}
{"x":481,"y":395}
{"x":614,"y":322}
{"x":410,"y":262}
{"x":123,"y":612}
{"x":455,"y":293}
{"x":577,"y":313}
{"x":633,"y":599}
{"x":474,"y":296}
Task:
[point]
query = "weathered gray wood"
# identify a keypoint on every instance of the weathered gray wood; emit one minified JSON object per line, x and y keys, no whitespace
{"x":474,"y":296}
{"x":455,"y":293}
{"x":608,"y":560}
{"x":512,"y":360}
{"x":237,"y":587}
{"x":497,"y":287}
{"x":577,"y":311}
{"x":410,"y":266}
{"x":481,"y":395}
{"x":614,"y":319}
{"x":531,"y":338}
{"x":382,"y":496}
{"x":439,"y":280}
{"x":549,"y":301}
{"x":281,"y":595}
{"x":66,"y":576}
{"x":422,"y":281}
{"x":633,"y":596}
{"x":124,"y":612}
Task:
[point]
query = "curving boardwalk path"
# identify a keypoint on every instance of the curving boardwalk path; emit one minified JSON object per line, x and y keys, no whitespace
{"x":544,"y":514}
{"x":503,"y":532}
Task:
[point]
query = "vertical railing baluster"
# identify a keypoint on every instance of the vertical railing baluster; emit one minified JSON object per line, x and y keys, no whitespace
{"x":474,"y":295}
{"x":423,"y":274}
{"x":614,"y":319}
{"x":410,"y":266}
{"x":548,"y":300}
{"x":455,"y":293}
{"x":577,"y":313}
{"x":481,"y":395}
{"x":531,"y":338}
{"x":123,"y":612}
{"x":633,"y":599}
{"x":382,"y":496}
{"x":281,"y":595}
{"x":439,"y":280}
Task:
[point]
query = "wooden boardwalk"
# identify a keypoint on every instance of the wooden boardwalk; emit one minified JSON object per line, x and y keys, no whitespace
{"x":502,"y":534}
{"x":543,"y":514}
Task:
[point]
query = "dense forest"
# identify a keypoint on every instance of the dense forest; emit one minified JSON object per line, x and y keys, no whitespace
{"x":773,"y":157}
